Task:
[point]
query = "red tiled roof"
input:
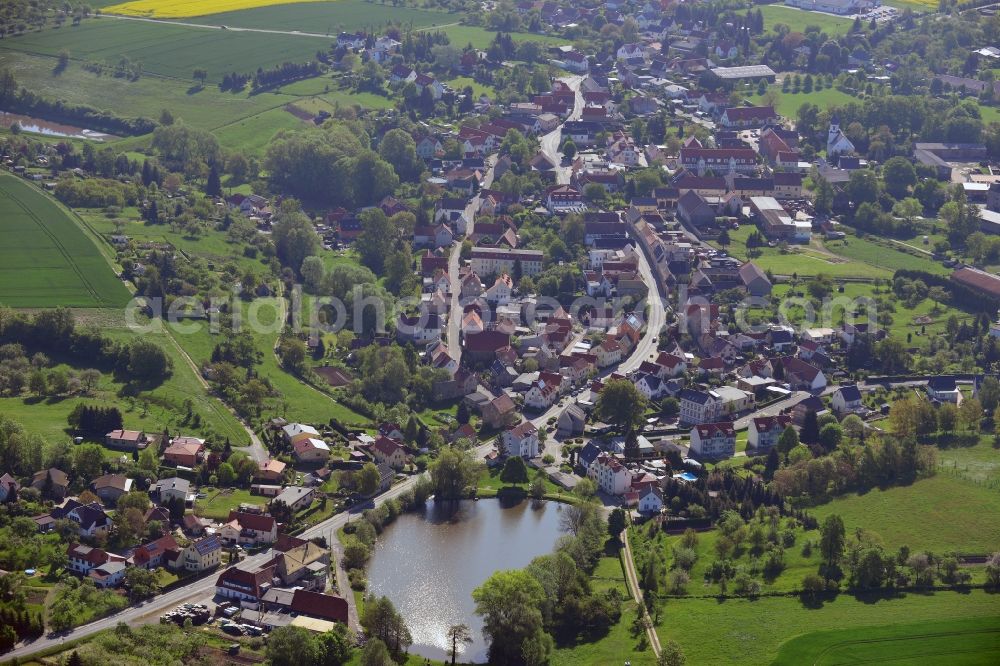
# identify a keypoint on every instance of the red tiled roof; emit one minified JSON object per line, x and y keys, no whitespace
{"x":323,"y":606}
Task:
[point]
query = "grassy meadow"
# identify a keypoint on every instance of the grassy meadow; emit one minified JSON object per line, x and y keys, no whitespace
{"x":169,"y":50}
{"x":962,"y":642}
{"x":748,"y":632}
{"x":788,"y":103}
{"x":798,"y":20}
{"x":943,"y":513}
{"x":46,"y":258}
{"x":326,"y":17}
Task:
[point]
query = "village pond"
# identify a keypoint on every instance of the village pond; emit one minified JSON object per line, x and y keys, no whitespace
{"x":429,"y":563}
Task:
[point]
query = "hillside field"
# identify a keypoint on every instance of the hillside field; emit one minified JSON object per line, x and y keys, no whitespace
{"x":958,"y":643}
{"x":752,"y":632}
{"x":170,"y":50}
{"x":328,"y":17}
{"x":46,"y":259}
{"x":941,"y":514}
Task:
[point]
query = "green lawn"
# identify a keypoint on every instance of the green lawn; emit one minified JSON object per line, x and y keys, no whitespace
{"x":220,"y":502}
{"x":47,"y":258}
{"x":460,"y":82}
{"x":207,"y":108}
{"x":796,"y":564}
{"x":331,"y":17}
{"x":801,"y":259}
{"x":788,"y":103}
{"x":798,"y":20}
{"x":885,"y":255}
{"x":958,"y":642}
{"x":297,"y":401}
{"x":751,"y":632}
{"x":253,"y":134}
{"x":169,"y":50}
{"x":941,"y":514}
{"x":979,"y":463}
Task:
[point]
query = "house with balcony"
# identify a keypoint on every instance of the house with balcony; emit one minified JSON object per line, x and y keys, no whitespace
{"x":521,"y":440}
{"x":713,"y":441}
{"x":765,"y":431}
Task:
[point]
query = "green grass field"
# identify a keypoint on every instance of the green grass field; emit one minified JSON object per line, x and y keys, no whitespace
{"x":798,"y":20}
{"x":330,"y":17}
{"x":219,"y":502}
{"x":751,"y":632}
{"x":170,"y":50}
{"x":883,"y":254}
{"x":958,"y":642}
{"x":46,"y":258}
{"x":298,"y":401}
{"x":788,"y":103}
{"x":979,"y":463}
{"x":802,"y":259}
{"x":941,"y":514}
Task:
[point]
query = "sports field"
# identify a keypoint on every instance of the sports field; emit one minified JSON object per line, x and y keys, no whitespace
{"x":798,"y":20}
{"x":957,"y":642}
{"x":186,"y":8}
{"x":46,"y":259}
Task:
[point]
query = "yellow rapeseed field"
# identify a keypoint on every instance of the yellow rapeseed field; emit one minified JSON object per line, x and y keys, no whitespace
{"x":189,"y":8}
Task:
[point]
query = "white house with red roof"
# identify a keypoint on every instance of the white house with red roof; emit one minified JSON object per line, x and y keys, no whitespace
{"x":713,"y":440}
{"x":310,"y":450}
{"x":521,"y":440}
{"x":765,"y":431}
{"x":388,"y":451}
{"x":610,"y":474}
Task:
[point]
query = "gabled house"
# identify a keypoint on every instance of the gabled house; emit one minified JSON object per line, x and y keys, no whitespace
{"x":9,"y":488}
{"x":499,"y":411}
{"x":110,"y":487}
{"x":270,"y":470}
{"x":51,"y":482}
{"x":713,"y":440}
{"x":295,"y":498}
{"x":389,"y":452}
{"x":802,"y":375}
{"x":310,"y":450}
{"x":172,"y":488}
{"x":571,"y":422}
{"x":650,"y":500}
{"x":610,"y":474}
{"x":245,"y":584}
{"x":847,"y":400}
{"x":521,"y":440}
{"x":154,"y":554}
{"x":944,"y":389}
{"x":90,"y":518}
{"x":185,"y":451}
{"x":243,"y":527}
{"x":765,"y":431}
{"x":127,"y":440}
{"x":200,"y":555}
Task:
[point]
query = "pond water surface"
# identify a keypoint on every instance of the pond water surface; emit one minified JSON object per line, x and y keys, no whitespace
{"x":49,"y":128}
{"x":428,"y":564}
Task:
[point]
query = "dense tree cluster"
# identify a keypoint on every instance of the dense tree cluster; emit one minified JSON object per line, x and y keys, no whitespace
{"x":331,"y":165}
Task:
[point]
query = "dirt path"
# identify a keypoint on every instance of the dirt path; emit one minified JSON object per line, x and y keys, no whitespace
{"x":633,"y":586}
